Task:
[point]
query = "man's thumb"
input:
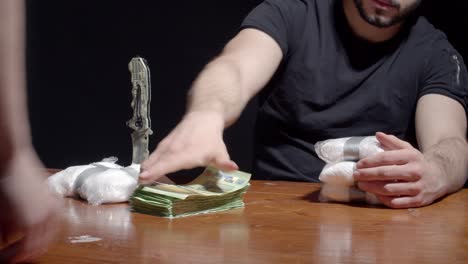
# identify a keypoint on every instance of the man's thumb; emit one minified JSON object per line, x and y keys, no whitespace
{"x":224,"y":164}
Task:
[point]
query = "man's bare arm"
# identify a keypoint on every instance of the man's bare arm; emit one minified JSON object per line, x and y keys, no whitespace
{"x":14,"y":129}
{"x":404,"y":176}
{"x":441,"y":131}
{"x":244,"y":67}
{"x":215,"y":101}
{"x":26,"y":206}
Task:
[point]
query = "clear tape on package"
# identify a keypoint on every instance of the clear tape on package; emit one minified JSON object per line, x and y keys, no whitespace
{"x":98,"y":183}
{"x":347,"y":149}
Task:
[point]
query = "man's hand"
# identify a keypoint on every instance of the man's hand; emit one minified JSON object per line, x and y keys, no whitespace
{"x":197,"y":141}
{"x":401,"y":177}
{"x":216,"y":100}
{"x":27,"y":209}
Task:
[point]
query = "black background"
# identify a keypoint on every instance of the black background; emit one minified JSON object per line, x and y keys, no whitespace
{"x":79,"y":84}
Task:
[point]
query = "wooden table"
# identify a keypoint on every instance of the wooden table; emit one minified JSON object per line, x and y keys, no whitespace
{"x":282,"y":223}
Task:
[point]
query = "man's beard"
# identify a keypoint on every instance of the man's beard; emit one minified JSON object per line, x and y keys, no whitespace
{"x":376,"y":21}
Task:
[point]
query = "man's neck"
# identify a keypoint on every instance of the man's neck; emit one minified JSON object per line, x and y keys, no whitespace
{"x":365,"y":30}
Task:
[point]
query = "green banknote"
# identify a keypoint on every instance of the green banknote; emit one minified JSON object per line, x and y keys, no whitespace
{"x":212,"y":191}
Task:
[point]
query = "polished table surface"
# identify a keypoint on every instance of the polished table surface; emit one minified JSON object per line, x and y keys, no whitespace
{"x":282,"y":222}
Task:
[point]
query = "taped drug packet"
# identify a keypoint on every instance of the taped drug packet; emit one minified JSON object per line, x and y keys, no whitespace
{"x":340,"y":173}
{"x":99,"y":182}
{"x":347,"y":149}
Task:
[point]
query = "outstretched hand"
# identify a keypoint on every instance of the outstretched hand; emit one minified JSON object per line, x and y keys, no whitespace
{"x":400,"y":177}
{"x":27,"y":209}
{"x":197,"y":141}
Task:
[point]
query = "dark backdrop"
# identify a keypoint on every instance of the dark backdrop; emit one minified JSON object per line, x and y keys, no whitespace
{"x":79,"y":84}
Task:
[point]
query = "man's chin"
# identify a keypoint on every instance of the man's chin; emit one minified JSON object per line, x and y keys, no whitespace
{"x":381,"y":21}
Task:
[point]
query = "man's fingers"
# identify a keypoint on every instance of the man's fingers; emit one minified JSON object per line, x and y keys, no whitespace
{"x":405,"y":173}
{"x":393,"y":157}
{"x":390,"y":142}
{"x":401,"y":202}
{"x":168,"y":164}
{"x":222,"y":161}
{"x":224,"y":164}
{"x":390,"y":188}
{"x":157,"y":153}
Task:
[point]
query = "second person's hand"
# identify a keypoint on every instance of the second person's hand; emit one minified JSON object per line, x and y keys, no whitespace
{"x":197,"y":141}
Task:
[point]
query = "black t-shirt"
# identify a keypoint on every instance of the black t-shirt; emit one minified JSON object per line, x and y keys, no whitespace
{"x":332,"y":84}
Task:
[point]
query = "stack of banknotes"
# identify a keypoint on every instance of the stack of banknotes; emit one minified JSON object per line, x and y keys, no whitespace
{"x":212,"y":191}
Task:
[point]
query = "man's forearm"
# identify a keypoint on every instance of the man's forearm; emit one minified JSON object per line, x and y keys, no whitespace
{"x":218,"y":89}
{"x":13,"y":106}
{"x":450,"y":155}
{"x":14,"y":129}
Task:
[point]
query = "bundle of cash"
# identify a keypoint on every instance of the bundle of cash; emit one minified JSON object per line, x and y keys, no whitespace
{"x":212,"y":191}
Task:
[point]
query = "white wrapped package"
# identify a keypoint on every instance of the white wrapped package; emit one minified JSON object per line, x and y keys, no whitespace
{"x":62,"y":182}
{"x":339,"y":184}
{"x":112,"y":185}
{"x":345,"y":194}
{"x":340,"y":173}
{"x":347,"y":149}
{"x":101,"y":182}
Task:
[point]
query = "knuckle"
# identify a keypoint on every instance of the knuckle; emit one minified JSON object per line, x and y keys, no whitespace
{"x":221,"y":155}
{"x":411,"y":154}
{"x":417,"y":201}
{"x":413,"y":174}
{"x":387,"y":188}
{"x":414,"y":153}
{"x":417,"y":172}
{"x":385,"y":173}
{"x":207,"y":158}
{"x":200,"y":161}
{"x":384,"y":157}
{"x":414,"y":190}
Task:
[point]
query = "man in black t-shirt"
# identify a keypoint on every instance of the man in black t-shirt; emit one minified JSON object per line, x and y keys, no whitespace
{"x":335,"y":68}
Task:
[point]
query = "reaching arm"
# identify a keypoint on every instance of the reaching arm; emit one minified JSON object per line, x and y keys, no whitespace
{"x":215,"y":101}
{"x":26,"y":207}
{"x":14,"y":129}
{"x":227,"y":83}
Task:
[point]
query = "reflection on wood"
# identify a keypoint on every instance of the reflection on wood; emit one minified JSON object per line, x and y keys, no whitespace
{"x":283,"y":222}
